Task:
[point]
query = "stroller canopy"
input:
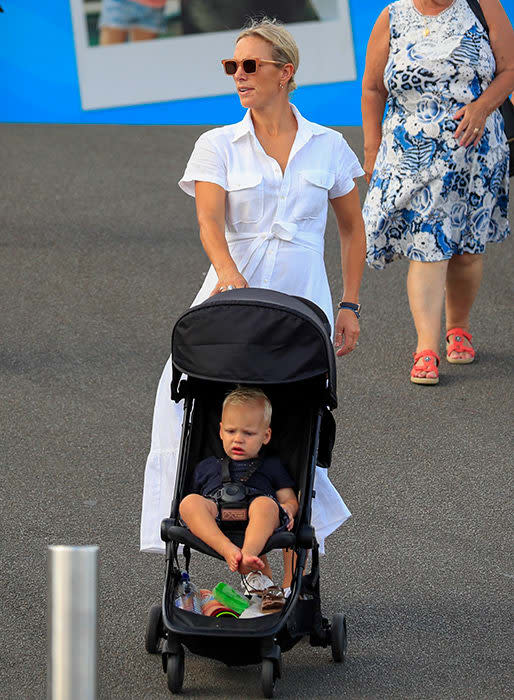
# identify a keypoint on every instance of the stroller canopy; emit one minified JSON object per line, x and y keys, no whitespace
{"x":254,"y":336}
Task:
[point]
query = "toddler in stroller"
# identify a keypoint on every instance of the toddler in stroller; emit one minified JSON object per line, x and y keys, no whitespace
{"x":268,"y":502}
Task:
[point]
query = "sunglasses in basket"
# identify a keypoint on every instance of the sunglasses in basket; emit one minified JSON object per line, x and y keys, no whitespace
{"x":250,"y":65}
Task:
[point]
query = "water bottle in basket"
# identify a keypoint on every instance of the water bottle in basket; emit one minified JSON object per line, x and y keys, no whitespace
{"x":188,"y":596}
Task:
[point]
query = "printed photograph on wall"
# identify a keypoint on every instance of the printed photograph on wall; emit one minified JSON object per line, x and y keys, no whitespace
{"x":135,"y":51}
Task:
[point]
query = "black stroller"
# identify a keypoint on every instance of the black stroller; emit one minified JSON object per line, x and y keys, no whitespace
{"x":282,"y":344}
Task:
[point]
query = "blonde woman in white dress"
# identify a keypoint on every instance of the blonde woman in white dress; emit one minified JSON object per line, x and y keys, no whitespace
{"x":262,"y":188}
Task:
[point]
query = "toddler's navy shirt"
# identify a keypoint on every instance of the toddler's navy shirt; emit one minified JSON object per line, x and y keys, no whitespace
{"x":269,"y":478}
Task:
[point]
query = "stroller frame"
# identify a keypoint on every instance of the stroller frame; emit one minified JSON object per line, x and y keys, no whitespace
{"x":255,"y":640}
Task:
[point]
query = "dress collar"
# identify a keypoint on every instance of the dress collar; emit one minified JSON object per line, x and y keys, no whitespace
{"x":306,"y":129}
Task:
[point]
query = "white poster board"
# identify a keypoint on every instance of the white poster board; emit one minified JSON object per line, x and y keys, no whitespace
{"x":188,"y":66}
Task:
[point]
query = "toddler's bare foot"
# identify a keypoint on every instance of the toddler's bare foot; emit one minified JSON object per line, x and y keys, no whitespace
{"x":250,"y":562}
{"x":232,"y":556}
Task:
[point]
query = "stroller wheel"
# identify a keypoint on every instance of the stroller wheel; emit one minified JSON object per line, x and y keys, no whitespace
{"x":153,"y":629}
{"x":268,"y":676}
{"x":175,"y":670}
{"x":338,"y":639}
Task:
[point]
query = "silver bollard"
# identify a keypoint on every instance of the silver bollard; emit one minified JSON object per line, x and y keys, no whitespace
{"x":72,"y":644}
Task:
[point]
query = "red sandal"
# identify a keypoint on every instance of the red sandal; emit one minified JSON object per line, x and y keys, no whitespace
{"x":430,"y":363}
{"x":458,"y":346}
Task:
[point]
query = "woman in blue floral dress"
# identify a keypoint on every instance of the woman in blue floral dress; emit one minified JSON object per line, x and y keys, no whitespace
{"x":437,"y":165}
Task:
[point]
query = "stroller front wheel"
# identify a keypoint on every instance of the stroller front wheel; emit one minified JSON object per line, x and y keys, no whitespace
{"x":338,"y":638}
{"x":175,"y":670}
{"x":268,"y":676}
{"x":153,"y":629}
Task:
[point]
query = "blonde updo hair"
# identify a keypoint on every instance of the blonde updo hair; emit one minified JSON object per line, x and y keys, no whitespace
{"x":284,"y":46}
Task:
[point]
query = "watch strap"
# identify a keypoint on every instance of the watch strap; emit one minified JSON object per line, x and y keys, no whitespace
{"x":356,"y":308}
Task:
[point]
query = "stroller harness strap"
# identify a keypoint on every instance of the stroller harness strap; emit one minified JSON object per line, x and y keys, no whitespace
{"x":234,"y":497}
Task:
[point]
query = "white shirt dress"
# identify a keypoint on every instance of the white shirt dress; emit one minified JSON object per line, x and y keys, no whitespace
{"x":275,"y":227}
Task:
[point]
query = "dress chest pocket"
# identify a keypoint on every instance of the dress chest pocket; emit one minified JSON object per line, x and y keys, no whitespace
{"x":312,"y":196}
{"x":245,"y":198}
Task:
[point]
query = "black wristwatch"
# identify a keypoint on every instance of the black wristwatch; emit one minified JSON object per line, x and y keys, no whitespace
{"x":356,"y":308}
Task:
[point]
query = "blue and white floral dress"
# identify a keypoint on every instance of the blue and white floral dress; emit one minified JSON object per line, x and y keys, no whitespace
{"x":430,"y":198}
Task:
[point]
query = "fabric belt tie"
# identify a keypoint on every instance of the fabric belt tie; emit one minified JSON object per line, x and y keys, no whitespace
{"x":262,"y":242}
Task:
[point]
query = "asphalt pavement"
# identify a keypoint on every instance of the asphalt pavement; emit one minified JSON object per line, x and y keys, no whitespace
{"x":99,"y":255}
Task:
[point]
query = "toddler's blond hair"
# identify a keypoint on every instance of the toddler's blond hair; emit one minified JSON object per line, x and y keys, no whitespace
{"x":244,"y":395}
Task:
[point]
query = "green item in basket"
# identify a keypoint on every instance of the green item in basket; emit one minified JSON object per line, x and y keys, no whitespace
{"x":230,"y":598}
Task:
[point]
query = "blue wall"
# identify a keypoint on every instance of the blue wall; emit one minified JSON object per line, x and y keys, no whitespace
{"x":40,"y":83}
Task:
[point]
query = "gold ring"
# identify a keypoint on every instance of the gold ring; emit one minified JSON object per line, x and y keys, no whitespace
{"x":476,"y":130}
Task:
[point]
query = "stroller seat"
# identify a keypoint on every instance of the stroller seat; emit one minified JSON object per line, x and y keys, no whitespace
{"x":290,"y":410}
{"x":181,"y":535}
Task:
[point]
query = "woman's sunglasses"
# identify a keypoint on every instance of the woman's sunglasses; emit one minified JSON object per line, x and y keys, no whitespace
{"x":250,"y":65}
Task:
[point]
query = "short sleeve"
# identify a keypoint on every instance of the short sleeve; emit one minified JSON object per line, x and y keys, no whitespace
{"x":347,"y":167}
{"x":204,"y":165}
{"x":279,"y":475}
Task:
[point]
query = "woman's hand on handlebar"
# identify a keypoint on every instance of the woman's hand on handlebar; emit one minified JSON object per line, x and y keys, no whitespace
{"x":233,"y":280}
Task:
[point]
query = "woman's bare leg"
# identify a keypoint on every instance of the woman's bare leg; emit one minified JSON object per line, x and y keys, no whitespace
{"x":142,"y":35}
{"x":463,"y":280}
{"x":112,"y":35}
{"x":425,"y":289}
{"x":262,"y":521}
{"x":199,"y":514}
